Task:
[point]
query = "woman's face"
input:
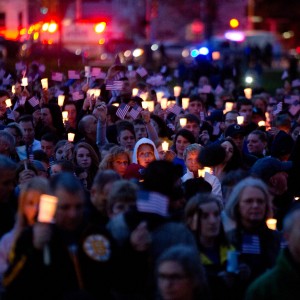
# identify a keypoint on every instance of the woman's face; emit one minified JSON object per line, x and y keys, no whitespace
{"x":295,"y":133}
{"x":31,"y":206}
{"x":210,"y":220}
{"x":252,"y":206}
{"x":120,"y":164}
{"x":173,"y":283}
{"x":83,"y":158}
{"x":145,"y":155}
{"x":181,"y":144}
{"x":59,"y":154}
{"x":46,"y":117}
{"x":127,"y":140}
{"x":254,"y":144}
{"x":228,"y":149}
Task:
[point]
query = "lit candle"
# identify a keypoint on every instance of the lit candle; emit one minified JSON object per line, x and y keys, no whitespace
{"x":24,"y":81}
{"x":171,"y":103}
{"x":135,"y":92}
{"x":144,"y":104}
{"x":13,"y":89}
{"x":8,"y":103}
{"x":185,"y":103}
{"x":144,"y":96}
{"x":177,"y":90}
{"x":216,"y":55}
{"x":47,"y":208}
{"x":116,"y":104}
{"x":71,"y":136}
{"x":208,"y":170}
{"x":248,"y":93}
{"x":65,"y":115}
{"x":271,"y":223}
{"x":165,"y":146}
{"x":182,"y":122}
{"x":44,"y":82}
{"x":159,"y":96}
{"x":164,"y":103}
{"x":97,"y":92}
{"x":201,"y":173}
{"x":261,"y":123}
{"x":150,"y":105}
{"x":240,"y":120}
{"x":228,"y":106}
{"x":61,"y":99}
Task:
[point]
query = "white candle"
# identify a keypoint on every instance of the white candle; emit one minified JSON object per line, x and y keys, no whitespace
{"x":261,"y":123}
{"x":47,"y":208}
{"x":240,"y":120}
{"x":182,"y":122}
{"x":164,"y":103}
{"x":165,"y":146}
{"x":8,"y":103}
{"x":271,"y":223}
{"x":44,"y":82}
{"x":61,"y":99}
{"x":185,"y":103}
{"x":216,"y":55}
{"x":97,"y":92}
{"x":177,"y":91}
{"x":159,"y":96}
{"x":144,"y":96}
{"x":65,"y":115}
{"x":13,"y":89}
{"x":201,"y":173}
{"x":144,"y":104}
{"x":150,"y":105}
{"x":71,"y":136}
{"x":135,"y":92}
{"x":228,"y":106}
{"x":248,"y":93}
{"x":116,"y":104}
{"x":24,"y":81}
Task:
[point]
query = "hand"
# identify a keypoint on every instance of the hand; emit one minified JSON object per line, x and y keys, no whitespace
{"x":41,"y":235}
{"x":140,"y":237}
{"x":146,"y":116}
{"x":169,"y":155}
{"x":68,"y":151}
{"x":100,"y":112}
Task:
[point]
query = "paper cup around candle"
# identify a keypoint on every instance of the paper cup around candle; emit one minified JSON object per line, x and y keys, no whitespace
{"x":185,"y":102}
{"x":71,"y":136}
{"x":13,"y":89}
{"x":240,"y":120}
{"x":44,"y":82}
{"x":24,"y":81}
{"x":144,"y":104}
{"x":271,"y":223}
{"x":61,"y":99}
{"x":228,"y":106}
{"x":261,"y":123}
{"x":201,"y":173}
{"x":144,"y":96}
{"x":177,"y":91}
{"x":65,"y":115}
{"x":159,"y":96}
{"x":182,"y":122}
{"x":248,"y":93}
{"x":208,"y":170}
{"x":135,"y":92}
{"x":164,"y":103}
{"x":216,"y":55}
{"x":8,"y":103}
{"x":97,"y":92}
{"x":165,"y":146}
{"x":116,"y":104}
{"x":47,"y":208}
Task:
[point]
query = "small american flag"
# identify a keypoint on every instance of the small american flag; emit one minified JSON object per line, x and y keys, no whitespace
{"x":251,"y":244}
{"x":175,"y":109}
{"x":72,"y":74}
{"x":135,"y":111}
{"x":56,"y":76}
{"x":122,"y":110}
{"x":142,"y":71}
{"x":152,"y":202}
{"x":116,"y":85}
{"x":278,"y":109}
{"x":10,"y":114}
{"x":34,"y":101}
{"x":294,"y":108}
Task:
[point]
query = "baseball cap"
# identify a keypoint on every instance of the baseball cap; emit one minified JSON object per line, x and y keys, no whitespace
{"x":266,"y":167}
{"x":234,"y":129}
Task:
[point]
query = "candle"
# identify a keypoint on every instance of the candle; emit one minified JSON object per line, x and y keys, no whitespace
{"x":144,"y":96}
{"x":159,"y":96}
{"x":24,"y":81}
{"x":8,"y":103}
{"x":201,"y":173}
{"x":271,"y":223}
{"x":116,"y":104}
{"x":216,"y":55}
{"x":96,"y":92}
{"x":208,"y":170}
{"x":240,"y":120}
{"x":144,"y":104}
{"x":164,"y":103}
{"x":44,"y":82}
{"x":177,"y":90}
{"x":165,"y":146}
{"x":13,"y":89}
{"x":185,"y":103}
{"x":71,"y":136}
{"x":171,"y":103}
{"x":135,"y":92}
{"x":65,"y":115}
{"x":228,"y":106}
{"x":261,"y":123}
{"x":150,"y":105}
{"x":61,"y":99}
{"x":47,"y":208}
{"x":182,"y":122}
{"x":248,"y":93}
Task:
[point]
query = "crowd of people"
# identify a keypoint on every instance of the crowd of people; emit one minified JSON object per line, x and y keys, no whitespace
{"x":163,"y":192}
